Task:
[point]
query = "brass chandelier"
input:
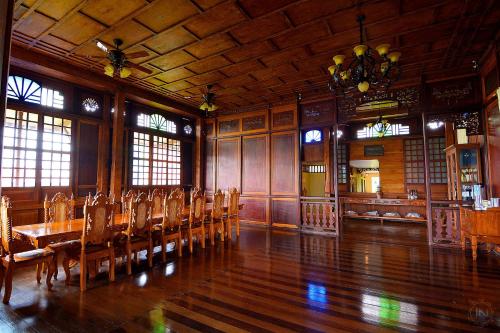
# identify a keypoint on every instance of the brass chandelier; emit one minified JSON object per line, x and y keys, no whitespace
{"x":366,"y":70}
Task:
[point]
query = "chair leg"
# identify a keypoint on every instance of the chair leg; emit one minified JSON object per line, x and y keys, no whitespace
{"x":474,"y":247}
{"x":179,"y":246}
{"x":229,"y":229}
{"x":112,"y":263}
{"x":203,"y":239}
{"x":211,"y":231}
{"x":163,"y":249}
{"x":39,"y":268}
{"x":56,"y":268}
{"x":190,"y":241}
{"x":237,"y":226}
{"x":52,"y":266}
{"x":83,"y":274}
{"x":150,"y":253}
{"x":129,"y":259}
{"x":2,"y":275}
{"x":8,"y":283}
{"x":66,"y":261}
{"x":222,"y":231}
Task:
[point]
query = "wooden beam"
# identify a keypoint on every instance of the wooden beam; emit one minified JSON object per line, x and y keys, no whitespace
{"x":198,"y":153}
{"x":117,"y":146}
{"x":6,"y":10}
{"x":103,"y":152}
{"x":326,"y":160}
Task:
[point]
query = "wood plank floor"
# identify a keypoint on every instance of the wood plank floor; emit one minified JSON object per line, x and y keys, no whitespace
{"x":374,"y":279}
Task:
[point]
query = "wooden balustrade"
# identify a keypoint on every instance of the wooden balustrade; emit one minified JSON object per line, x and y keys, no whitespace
{"x":318,"y":215}
{"x":446,"y":222}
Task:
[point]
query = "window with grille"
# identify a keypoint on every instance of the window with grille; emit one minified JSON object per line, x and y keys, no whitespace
{"x":156,"y":122}
{"x":314,"y":168}
{"x":140,"y":159}
{"x":19,"y":149}
{"x":160,"y":153}
{"x":312,"y":136}
{"x":56,"y":151}
{"x":373,"y":131}
{"x":342,"y":163}
{"x":26,"y":90}
{"x":414,"y":161}
{"x":437,"y":160}
{"x":174,"y":162}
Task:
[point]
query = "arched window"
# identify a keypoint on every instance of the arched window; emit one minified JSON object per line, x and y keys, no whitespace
{"x":157,"y":122}
{"x":27,"y":90}
{"x":313,"y":136}
{"x":188,"y":129}
{"x":90,"y":105}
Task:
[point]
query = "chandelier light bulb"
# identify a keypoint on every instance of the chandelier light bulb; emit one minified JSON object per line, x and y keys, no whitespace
{"x":383,"y":49}
{"x":125,"y":72}
{"x":394,"y":56}
{"x":339,"y":59}
{"x":363,"y":86}
{"x":109,"y":70}
{"x":331,"y":69}
{"x":360,"y":50}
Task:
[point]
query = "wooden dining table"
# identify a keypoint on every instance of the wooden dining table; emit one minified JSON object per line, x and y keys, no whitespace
{"x":39,"y":235}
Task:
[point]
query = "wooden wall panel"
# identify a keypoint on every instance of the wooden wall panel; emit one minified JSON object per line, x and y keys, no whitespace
{"x":285,"y":211}
{"x":209,"y":165}
{"x":318,"y":113}
{"x":493,"y":130}
{"x":228,"y":163}
{"x":88,"y":145}
{"x":229,"y":126}
{"x":255,"y":209}
{"x":254,"y":123}
{"x":255,"y":164}
{"x":284,"y":165}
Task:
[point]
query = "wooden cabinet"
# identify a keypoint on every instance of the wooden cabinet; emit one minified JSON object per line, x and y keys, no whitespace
{"x":464,"y":170}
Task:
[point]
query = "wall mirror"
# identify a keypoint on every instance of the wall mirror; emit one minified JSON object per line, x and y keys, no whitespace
{"x":364,"y":176}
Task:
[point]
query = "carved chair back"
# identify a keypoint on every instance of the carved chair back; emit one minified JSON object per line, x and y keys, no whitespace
{"x":8,"y":247}
{"x":197,"y":207}
{"x":140,"y":216}
{"x":233,"y":202}
{"x":157,"y":199}
{"x":218,"y":205}
{"x":59,"y":209}
{"x":172,"y":215}
{"x":179,"y":192}
{"x":98,"y":222}
{"x":127,"y":200}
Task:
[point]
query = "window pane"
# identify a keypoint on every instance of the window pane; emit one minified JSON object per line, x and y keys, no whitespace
{"x":140,"y":159}
{"x":55,"y":131}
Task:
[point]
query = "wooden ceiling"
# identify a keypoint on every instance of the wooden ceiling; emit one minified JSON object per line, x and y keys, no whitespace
{"x":255,"y":51}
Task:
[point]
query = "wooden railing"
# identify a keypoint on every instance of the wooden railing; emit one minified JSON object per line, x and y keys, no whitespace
{"x":446,"y":222}
{"x":318,"y":215}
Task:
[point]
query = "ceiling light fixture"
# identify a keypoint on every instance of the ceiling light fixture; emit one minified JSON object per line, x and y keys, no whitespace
{"x":365,"y":71}
{"x":208,"y":101}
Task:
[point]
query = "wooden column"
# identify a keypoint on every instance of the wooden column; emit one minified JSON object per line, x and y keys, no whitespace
{"x":118,"y":145}
{"x":326,"y":160}
{"x":103,"y":152}
{"x":336,"y":178}
{"x":199,"y":153}
{"x":449,"y":133}
{"x":6,"y":10}
{"x":428,"y":193}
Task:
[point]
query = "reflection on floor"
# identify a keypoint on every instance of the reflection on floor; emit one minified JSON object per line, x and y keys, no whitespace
{"x":374,"y":279}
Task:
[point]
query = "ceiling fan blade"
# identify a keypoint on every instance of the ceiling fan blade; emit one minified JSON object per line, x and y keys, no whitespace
{"x":139,"y":54}
{"x":101,"y":46}
{"x":139,"y":67}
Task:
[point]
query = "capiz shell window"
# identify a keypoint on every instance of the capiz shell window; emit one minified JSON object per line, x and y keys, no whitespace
{"x":56,"y":151}
{"x":312,"y":136}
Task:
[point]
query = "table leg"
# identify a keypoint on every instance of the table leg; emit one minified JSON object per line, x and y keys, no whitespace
{"x":474,"y":247}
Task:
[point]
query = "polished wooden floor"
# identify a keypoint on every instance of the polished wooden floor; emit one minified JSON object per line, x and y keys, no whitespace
{"x":374,"y":279}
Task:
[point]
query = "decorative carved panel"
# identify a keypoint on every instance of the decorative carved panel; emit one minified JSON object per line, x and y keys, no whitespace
{"x":471,"y":121}
{"x":285,"y":211}
{"x":228,"y":163}
{"x":229,"y":126}
{"x":283,"y":119}
{"x":284,"y":175}
{"x":453,"y":93}
{"x":254,"y":123}
{"x":318,"y":113}
{"x":255,"y":166}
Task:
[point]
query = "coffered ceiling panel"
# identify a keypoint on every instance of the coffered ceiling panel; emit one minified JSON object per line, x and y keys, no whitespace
{"x":255,"y":51}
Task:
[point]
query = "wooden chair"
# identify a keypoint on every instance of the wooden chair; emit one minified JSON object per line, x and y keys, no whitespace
{"x":233,"y":212}
{"x":13,"y":258}
{"x":96,"y":240}
{"x":139,"y":231}
{"x":196,"y":225}
{"x":171,"y":224}
{"x":58,"y":209}
{"x":157,"y":199}
{"x":127,"y":200}
{"x":217,"y":216}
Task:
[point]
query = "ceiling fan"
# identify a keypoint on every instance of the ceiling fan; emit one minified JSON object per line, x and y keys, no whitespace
{"x":208,"y":101}
{"x":119,"y":61}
